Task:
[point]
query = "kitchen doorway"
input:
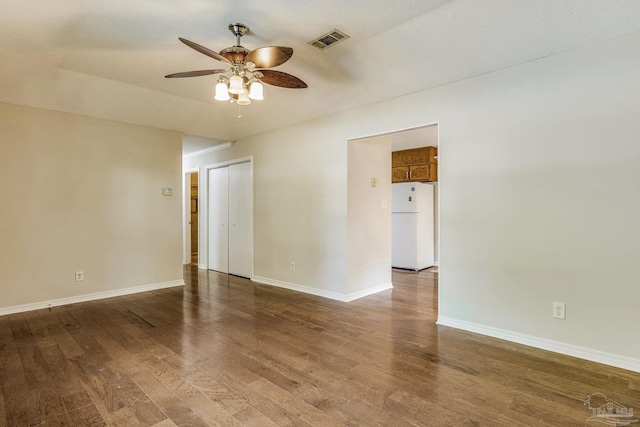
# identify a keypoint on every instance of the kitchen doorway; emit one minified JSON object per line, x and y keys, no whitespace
{"x":369,"y":210}
{"x":415,"y":164}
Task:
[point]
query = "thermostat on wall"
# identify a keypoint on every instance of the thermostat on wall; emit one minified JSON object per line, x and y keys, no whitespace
{"x":167,"y":191}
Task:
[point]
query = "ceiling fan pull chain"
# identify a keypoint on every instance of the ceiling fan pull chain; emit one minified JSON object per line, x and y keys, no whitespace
{"x":239,"y":111}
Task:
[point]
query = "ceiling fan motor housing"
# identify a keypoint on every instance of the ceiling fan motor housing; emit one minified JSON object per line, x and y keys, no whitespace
{"x":235,"y":53}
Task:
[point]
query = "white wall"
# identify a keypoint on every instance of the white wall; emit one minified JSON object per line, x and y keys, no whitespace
{"x":539,"y":170}
{"x":369,"y":216}
{"x":82,"y":194}
{"x":299,"y":207}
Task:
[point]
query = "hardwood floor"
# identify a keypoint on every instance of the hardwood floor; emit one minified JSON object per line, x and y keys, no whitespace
{"x":223,"y":351}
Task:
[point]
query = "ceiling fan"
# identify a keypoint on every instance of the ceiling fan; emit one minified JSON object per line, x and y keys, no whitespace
{"x":248,"y":69}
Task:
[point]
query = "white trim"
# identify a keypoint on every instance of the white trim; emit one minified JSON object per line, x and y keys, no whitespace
{"x":366,"y":292}
{"x":321,"y":292}
{"x":391,"y":132}
{"x":545,"y":344}
{"x":300,"y":288}
{"x":209,"y":150}
{"x":230,"y":162}
{"x":89,"y":297}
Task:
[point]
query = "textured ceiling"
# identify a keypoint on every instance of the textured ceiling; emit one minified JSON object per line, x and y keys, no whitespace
{"x":107,"y":59}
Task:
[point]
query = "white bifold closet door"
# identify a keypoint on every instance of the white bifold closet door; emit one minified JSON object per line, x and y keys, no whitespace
{"x":240,"y":220}
{"x":219,"y":220}
{"x":231,"y":219}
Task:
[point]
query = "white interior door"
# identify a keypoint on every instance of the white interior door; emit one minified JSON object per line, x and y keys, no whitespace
{"x":219,"y":219}
{"x":240,"y":220}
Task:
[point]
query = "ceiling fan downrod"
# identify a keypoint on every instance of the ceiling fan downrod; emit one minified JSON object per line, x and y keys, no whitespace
{"x":238,"y":30}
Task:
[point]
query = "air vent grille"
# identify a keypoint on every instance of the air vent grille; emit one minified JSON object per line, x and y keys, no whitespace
{"x":329,"y":39}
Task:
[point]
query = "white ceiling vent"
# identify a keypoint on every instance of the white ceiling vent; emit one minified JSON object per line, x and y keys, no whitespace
{"x":332,"y":37}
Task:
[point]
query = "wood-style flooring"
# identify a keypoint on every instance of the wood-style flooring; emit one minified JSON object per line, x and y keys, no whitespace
{"x":224,"y":351}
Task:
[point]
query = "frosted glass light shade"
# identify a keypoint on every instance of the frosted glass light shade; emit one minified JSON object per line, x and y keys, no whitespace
{"x":256,"y":91}
{"x":243,"y":98}
{"x":235,"y":85}
{"x":222,"y":94}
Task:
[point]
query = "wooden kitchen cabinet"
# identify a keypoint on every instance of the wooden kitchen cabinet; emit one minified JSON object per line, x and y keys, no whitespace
{"x":400,"y":174}
{"x":420,"y":172}
{"x":416,"y":164}
{"x":414,"y":156}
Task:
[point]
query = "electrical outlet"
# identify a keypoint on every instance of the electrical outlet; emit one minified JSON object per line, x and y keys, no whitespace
{"x":293,"y":266}
{"x":79,"y":276}
{"x":559,"y":310}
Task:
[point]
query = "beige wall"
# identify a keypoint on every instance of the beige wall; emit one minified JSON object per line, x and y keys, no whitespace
{"x":82,"y":194}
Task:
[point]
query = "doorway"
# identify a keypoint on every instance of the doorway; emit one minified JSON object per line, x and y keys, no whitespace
{"x":412,"y":143}
{"x":369,"y":177}
{"x":193,"y":219}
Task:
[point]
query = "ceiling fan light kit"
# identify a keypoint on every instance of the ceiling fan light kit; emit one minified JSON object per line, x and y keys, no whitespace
{"x":245,"y":81}
{"x":235,"y":84}
{"x":256,"y":91}
{"x":222,"y":92}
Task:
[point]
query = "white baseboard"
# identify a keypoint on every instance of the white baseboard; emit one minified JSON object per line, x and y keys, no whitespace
{"x":89,"y":297}
{"x":321,"y":292}
{"x":545,"y":344}
{"x":370,"y":291}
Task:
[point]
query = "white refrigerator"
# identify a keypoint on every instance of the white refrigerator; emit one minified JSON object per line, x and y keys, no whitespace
{"x":412,"y":229}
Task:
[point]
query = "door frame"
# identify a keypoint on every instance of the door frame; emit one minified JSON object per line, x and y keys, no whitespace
{"x":354,"y":176}
{"x":186,"y":214}
{"x":203,"y":211}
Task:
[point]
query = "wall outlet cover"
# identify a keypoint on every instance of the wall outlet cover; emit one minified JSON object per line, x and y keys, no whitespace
{"x":559,"y":310}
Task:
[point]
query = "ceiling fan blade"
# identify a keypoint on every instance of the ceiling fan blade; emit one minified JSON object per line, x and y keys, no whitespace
{"x":278,"y":78}
{"x":269,"y":56}
{"x":204,"y":50}
{"x":194,"y":73}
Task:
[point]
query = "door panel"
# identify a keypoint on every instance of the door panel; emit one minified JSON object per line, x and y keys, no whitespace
{"x":218,"y":220}
{"x":419,"y":172}
{"x":400,"y":174}
{"x":240,"y":220}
